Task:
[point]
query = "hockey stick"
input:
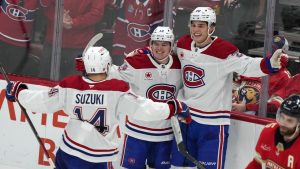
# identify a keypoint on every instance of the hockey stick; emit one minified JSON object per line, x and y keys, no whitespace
{"x":29,"y":121}
{"x":92,"y":42}
{"x":180,"y":145}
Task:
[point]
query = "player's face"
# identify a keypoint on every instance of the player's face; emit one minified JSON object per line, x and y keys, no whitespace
{"x":287,"y":124}
{"x":199,"y":32}
{"x":160,"y":49}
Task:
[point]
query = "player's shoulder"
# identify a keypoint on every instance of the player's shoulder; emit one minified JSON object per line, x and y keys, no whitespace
{"x":71,"y":81}
{"x":184,"y":42}
{"x":270,"y":128}
{"x":113,"y":85}
{"x":176,"y":62}
{"x":220,"y":48}
{"x":139,"y":61}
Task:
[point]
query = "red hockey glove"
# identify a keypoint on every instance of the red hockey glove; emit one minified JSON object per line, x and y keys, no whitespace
{"x":180,"y":109}
{"x":139,"y":51}
{"x":13,"y":89}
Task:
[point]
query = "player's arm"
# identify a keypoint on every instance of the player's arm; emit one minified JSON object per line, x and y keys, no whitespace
{"x":147,"y":110}
{"x":252,"y":67}
{"x":35,"y":100}
{"x":124,"y":72}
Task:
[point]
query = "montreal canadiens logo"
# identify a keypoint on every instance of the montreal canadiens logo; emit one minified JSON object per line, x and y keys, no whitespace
{"x":16,"y":13}
{"x":138,"y":32}
{"x":193,"y":76}
{"x":161,"y":92}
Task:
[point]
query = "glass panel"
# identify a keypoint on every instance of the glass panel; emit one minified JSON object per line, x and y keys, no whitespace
{"x":21,"y":36}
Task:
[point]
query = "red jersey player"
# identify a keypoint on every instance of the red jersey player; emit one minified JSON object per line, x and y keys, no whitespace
{"x":279,"y":143}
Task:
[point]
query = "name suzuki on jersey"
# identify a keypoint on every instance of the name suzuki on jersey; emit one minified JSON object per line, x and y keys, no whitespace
{"x":89,"y":98}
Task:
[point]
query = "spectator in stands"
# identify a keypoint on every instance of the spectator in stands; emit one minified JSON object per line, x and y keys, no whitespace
{"x":79,"y":22}
{"x":136,"y":20}
{"x":247,"y":94}
{"x":278,"y":144}
{"x":17,"y":19}
{"x":290,"y":17}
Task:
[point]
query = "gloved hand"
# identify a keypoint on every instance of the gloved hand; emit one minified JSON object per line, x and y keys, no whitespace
{"x":13,"y":89}
{"x":138,"y":51}
{"x":181,"y":110}
{"x":275,"y":59}
{"x":79,"y":64}
{"x":274,"y":62}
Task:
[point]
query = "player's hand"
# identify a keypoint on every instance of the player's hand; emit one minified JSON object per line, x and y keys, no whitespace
{"x":79,"y":64}
{"x":139,"y":51}
{"x":274,"y":62}
{"x":13,"y":89}
{"x":275,"y":59}
{"x":181,"y":110}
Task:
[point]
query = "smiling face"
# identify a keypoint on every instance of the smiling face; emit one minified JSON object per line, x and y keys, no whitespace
{"x":199,"y":32}
{"x":160,"y":50}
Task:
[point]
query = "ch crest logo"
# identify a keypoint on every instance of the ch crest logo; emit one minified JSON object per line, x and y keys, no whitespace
{"x":138,"y":32}
{"x":16,"y":12}
{"x":193,"y":76}
{"x":161,"y":92}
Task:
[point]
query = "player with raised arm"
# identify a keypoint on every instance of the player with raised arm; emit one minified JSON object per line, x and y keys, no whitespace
{"x":155,"y":74}
{"x":207,"y":64}
{"x":93,"y":103}
{"x":279,"y":143}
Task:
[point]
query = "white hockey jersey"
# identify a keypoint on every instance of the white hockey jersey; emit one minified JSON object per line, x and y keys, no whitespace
{"x":208,"y":75}
{"x":158,"y":82}
{"x":93,"y":108}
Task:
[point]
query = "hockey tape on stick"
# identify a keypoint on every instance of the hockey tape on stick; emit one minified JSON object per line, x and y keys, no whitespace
{"x":180,"y":145}
{"x":29,"y":121}
{"x":92,"y":42}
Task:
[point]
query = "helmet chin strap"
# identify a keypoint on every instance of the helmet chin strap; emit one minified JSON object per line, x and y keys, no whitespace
{"x":294,"y":135}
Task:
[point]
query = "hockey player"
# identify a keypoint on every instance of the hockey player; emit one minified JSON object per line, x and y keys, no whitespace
{"x":93,"y":103}
{"x":156,"y":75}
{"x":208,"y":63}
{"x":279,"y":143}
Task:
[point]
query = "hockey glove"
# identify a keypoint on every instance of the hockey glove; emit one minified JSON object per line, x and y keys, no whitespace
{"x":181,"y":110}
{"x":13,"y":89}
{"x":79,"y":64}
{"x":274,"y":62}
{"x":139,"y":51}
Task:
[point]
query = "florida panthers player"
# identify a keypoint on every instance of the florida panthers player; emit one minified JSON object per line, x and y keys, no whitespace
{"x":156,"y":75}
{"x":279,"y":143}
{"x":93,"y":103}
{"x":208,"y":63}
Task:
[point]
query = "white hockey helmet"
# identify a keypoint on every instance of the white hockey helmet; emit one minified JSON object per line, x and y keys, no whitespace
{"x":162,"y":33}
{"x":205,"y":14}
{"x":96,"y":59}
